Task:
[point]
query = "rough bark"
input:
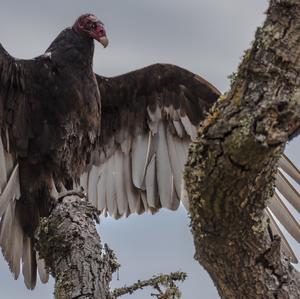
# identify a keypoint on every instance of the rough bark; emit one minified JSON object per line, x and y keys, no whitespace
{"x":71,"y":247}
{"x":231,"y":166}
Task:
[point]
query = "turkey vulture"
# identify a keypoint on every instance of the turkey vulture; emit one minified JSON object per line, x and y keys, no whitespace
{"x":127,"y":149}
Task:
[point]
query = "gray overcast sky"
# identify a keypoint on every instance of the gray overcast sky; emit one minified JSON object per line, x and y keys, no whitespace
{"x":207,"y":37}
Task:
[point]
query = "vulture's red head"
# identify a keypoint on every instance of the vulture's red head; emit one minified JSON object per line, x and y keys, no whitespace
{"x":91,"y":26}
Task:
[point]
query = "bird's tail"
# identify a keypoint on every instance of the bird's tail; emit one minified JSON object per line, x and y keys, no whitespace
{"x":17,"y":246}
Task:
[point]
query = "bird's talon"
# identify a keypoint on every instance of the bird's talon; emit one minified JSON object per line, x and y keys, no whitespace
{"x":81,"y":195}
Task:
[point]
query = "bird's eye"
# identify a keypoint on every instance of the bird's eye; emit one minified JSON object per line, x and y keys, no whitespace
{"x":94,"y":26}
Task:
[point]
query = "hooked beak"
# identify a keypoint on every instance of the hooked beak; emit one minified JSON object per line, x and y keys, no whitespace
{"x":99,"y":34}
{"x":103,"y":41}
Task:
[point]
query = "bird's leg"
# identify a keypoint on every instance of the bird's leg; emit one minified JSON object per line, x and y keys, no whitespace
{"x":78,"y":193}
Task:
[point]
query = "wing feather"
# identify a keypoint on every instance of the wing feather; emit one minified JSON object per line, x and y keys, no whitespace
{"x":149,"y":117}
{"x":131,"y":192}
{"x":29,"y":268}
{"x":287,"y":190}
{"x":143,"y":203}
{"x":84,"y":181}
{"x":11,"y":190}
{"x":111,"y":192}
{"x":179,"y":128}
{"x":11,"y":238}
{"x":41,"y":266}
{"x":287,"y":166}
{"x":284,"y":216}
{"x":101,"y":189}
{"x":16,"y":239}
{"x":151,"y":185}
{"x":11,"y":233}
{"x":122,"y":202}
{"x":140,"y":156}
{"x":178,"y":150}
{"x":164,"y":171}
{"x":189,"y":128}
{"x":92,"y":181}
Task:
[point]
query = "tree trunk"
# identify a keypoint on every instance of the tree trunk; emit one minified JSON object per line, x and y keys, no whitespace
{"x":71,"y":247}
{"x":230,"y":170}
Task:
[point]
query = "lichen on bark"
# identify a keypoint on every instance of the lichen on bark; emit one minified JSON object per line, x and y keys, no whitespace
{"x":68,"y":242}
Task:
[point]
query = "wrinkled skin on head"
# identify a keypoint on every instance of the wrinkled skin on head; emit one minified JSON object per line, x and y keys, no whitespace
{"x":90,"y":25}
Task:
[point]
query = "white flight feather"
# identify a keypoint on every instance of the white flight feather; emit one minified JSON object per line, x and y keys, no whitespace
{"x":16,"y":238}
{"x":111,"y":193}
{"x":84,"y":181}
{"x":41,"y":266}
{"x":93,"y":178}
{"x":101,"y":189}
{"x":151,"y":184}
{"x":164,"y":172}
{"x":140,"y":154}
{"x":11,"y":190}
{"x":286,"y":165}
{"x":131,"y":192}
{"x":28,"y":269}
{"x":179,"y":128}
{"x":284,"y":216}
{"x":178,"y":154}
{"x":122,"y":202}
{"x":287,"y":190}
{"x":189,"y":128}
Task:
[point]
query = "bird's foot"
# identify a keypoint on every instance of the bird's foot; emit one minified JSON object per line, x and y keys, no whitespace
{"x":66,"y":193}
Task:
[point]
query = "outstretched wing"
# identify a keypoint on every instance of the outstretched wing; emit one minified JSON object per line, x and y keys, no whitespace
{"x":149,"y":117}
{"x":14,"y":136}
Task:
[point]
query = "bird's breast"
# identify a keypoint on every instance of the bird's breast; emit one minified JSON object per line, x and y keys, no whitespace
{"x":66,"y":123}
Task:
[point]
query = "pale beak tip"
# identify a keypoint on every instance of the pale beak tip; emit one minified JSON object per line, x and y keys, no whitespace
{"x":104,"y":41}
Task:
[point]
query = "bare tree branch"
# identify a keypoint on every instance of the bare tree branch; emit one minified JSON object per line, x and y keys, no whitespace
{"x":157,"y":282}
{"x":231,"y":166}
{"x":71,"y":247}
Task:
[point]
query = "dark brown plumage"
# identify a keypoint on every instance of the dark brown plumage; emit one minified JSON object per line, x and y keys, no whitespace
{"x":127,"y":150}
{"x":50,"y":123}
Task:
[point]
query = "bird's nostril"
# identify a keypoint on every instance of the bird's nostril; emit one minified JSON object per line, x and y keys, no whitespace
{"x":102,"y":32}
